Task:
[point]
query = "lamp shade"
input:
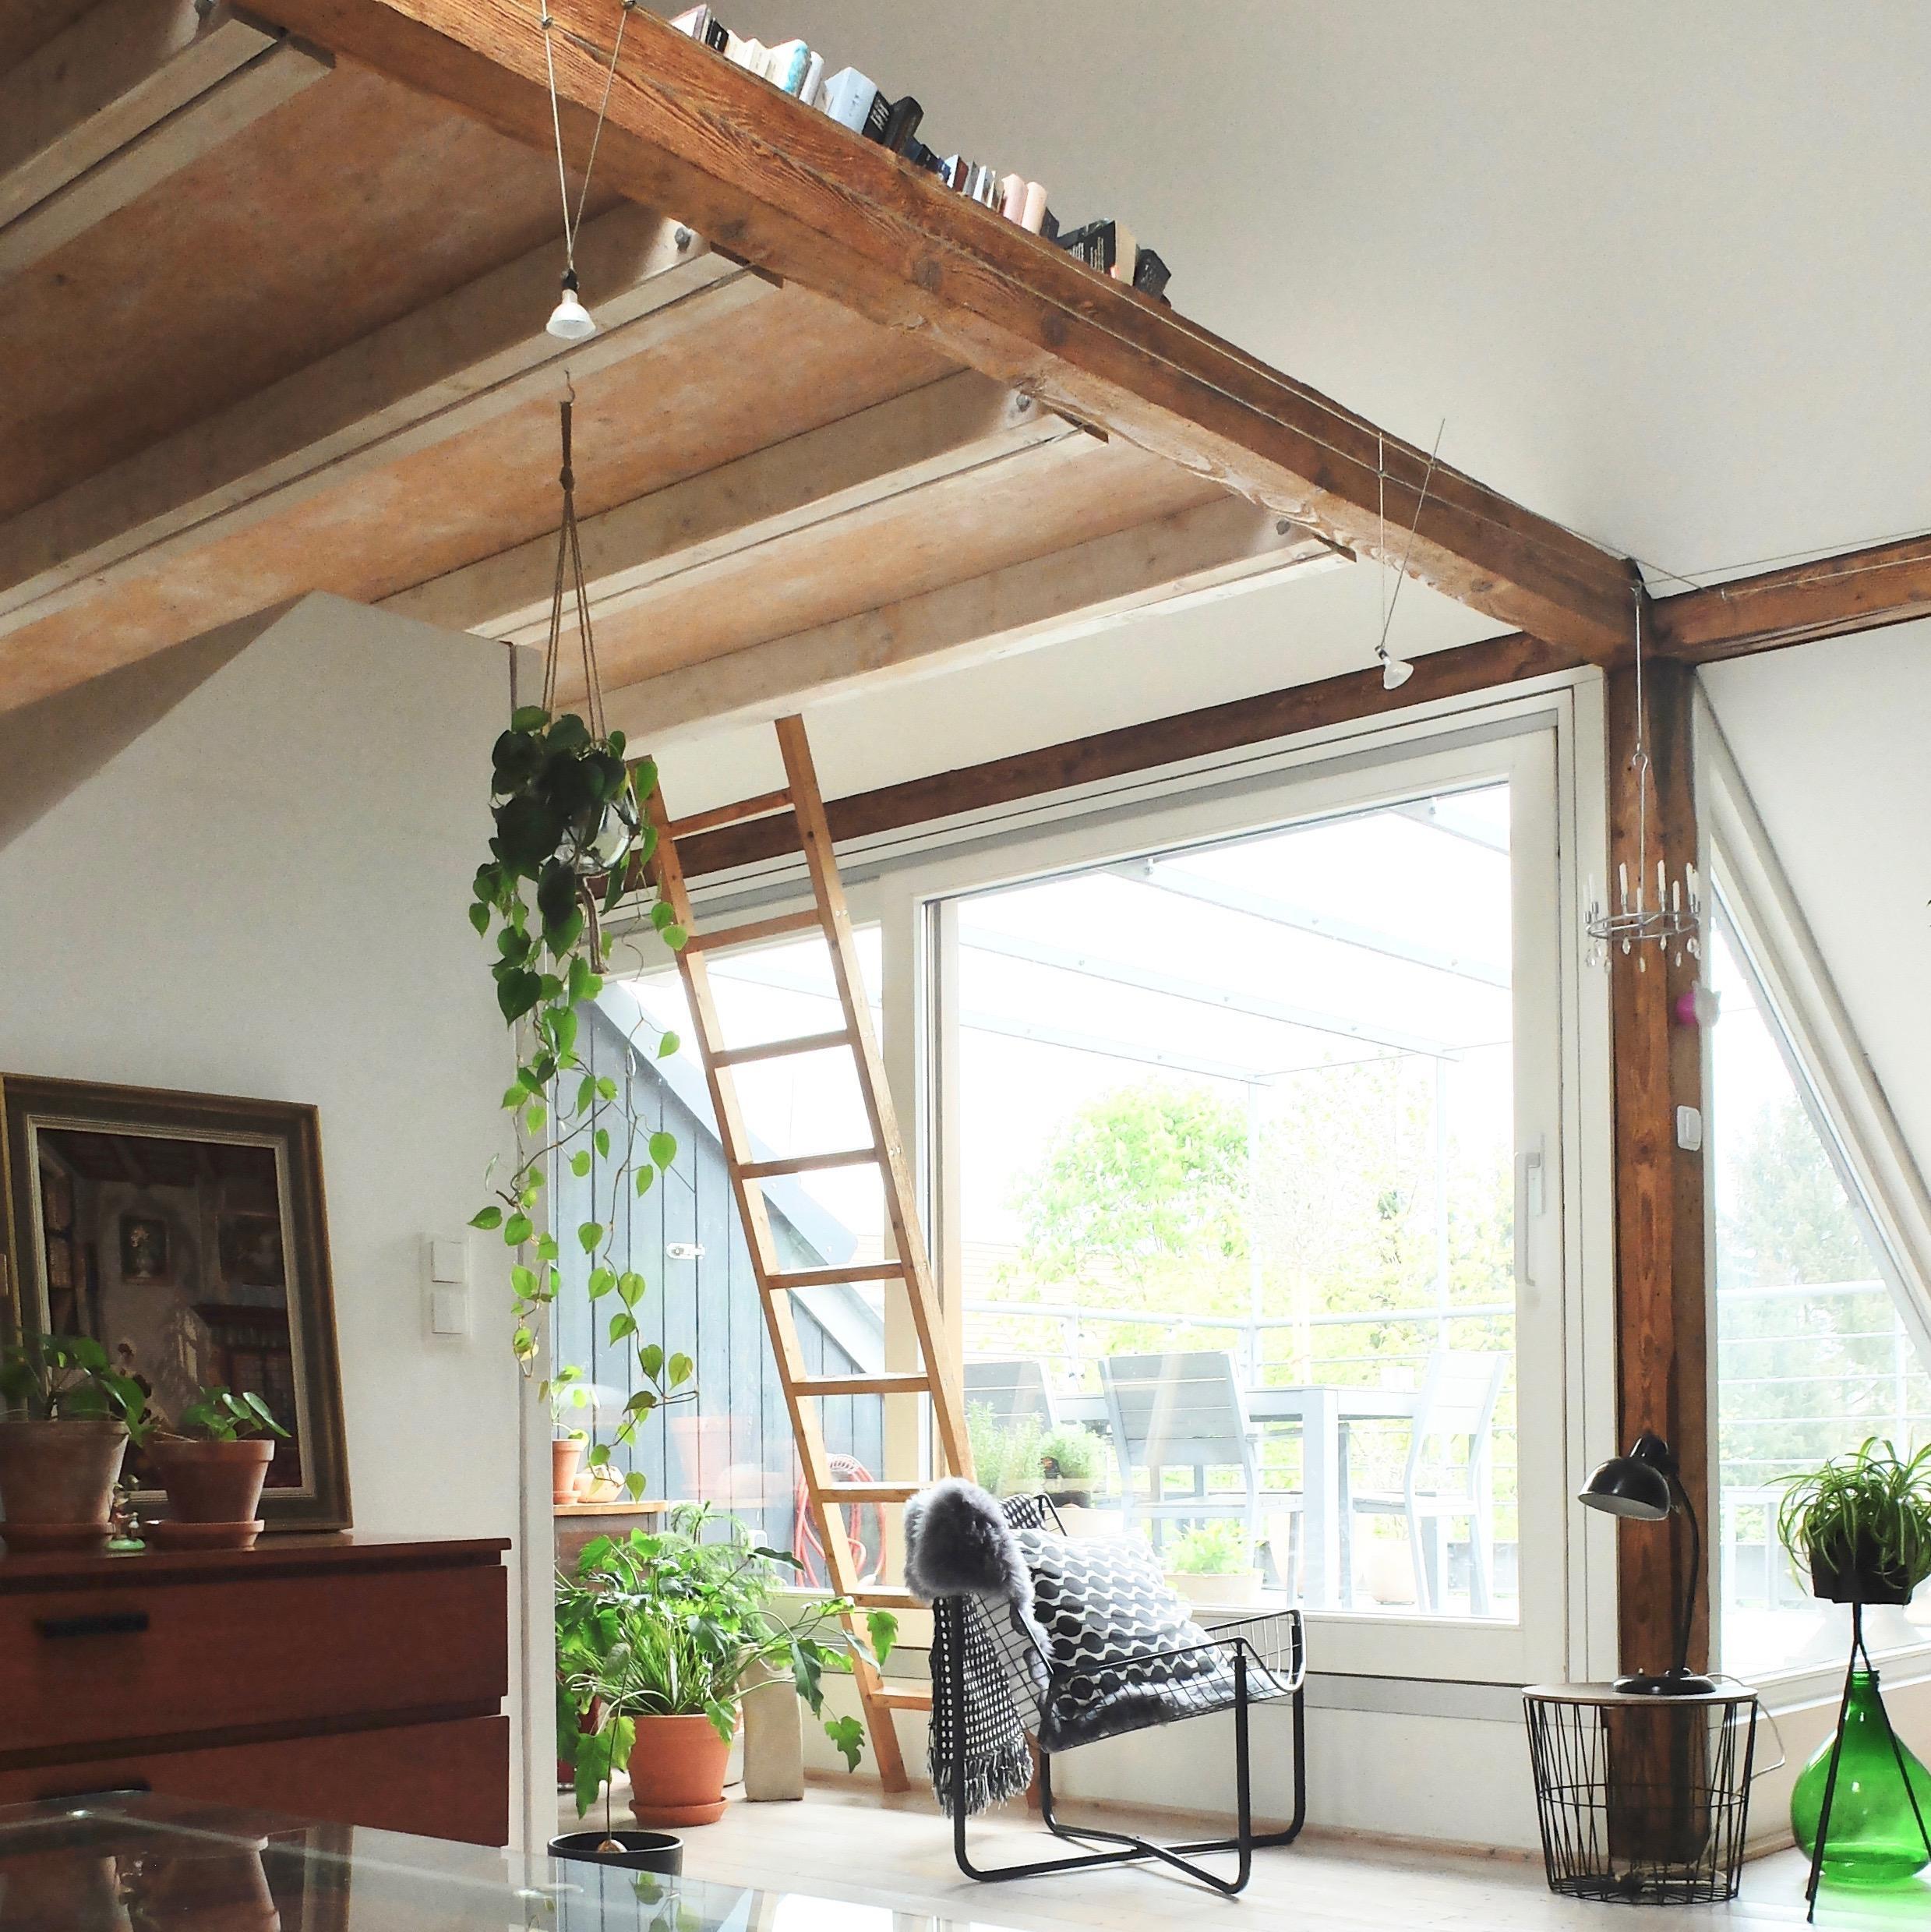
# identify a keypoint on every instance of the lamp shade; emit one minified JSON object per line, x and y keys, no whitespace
{"x":1635,"y":1485}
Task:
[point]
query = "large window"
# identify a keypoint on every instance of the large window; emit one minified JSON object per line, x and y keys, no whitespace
{"x":1249,"y":1141}
{"x":1812,"y":1356}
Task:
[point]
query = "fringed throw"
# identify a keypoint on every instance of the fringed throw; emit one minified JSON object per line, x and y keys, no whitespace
{"x":958,"y":1543}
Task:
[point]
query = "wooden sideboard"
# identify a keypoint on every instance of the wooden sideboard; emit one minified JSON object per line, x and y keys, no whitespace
{"x":352,"y":1681}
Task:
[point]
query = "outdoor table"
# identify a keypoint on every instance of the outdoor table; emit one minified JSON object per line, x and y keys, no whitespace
{"x":1324,"y":1411}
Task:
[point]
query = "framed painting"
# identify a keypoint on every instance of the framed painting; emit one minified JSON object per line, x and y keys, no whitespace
{"x":186,"y":1234}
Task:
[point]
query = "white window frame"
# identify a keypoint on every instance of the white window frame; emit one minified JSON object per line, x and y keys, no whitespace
{"x":1566,"y":1343}
{"x":1832,"y":1078}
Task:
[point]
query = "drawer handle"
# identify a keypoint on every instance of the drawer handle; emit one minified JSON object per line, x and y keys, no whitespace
{"x":103,"y":1623}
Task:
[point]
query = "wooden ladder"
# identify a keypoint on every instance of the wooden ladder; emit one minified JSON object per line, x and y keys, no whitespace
{"x":935,"y":1377}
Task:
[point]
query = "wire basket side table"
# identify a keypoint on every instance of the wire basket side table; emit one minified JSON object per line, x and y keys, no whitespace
{"x":1643,"y":1800}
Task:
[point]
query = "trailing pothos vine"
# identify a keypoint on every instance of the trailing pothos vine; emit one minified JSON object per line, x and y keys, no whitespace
{"x":569,"y":817}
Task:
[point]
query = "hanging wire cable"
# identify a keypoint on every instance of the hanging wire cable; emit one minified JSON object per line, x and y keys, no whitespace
{"x":570,"y":320}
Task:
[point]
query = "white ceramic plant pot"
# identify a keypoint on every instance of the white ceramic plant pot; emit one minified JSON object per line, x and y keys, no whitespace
{"x":1236,"y":1587}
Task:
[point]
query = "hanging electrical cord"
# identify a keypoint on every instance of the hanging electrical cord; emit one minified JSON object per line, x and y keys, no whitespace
{"x":1396,"y":672}
{"x":570,"y":320}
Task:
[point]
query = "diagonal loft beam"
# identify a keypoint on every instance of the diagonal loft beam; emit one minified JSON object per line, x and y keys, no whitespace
{"x":421,"y":379}
{"x":1215,"y":550}
{"x":790,"y":190}
{"x":962,"y":423}
{"x":131,"y":93}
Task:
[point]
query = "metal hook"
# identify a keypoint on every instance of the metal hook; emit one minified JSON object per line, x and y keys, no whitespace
{"x":569,"y":388}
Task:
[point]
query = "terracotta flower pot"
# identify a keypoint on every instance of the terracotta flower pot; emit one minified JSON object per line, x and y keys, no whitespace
{"x":57,"y":1482}
{"x":566,"y":1453}
{"x":215,"y":1488}
{"x":677,"y":1767}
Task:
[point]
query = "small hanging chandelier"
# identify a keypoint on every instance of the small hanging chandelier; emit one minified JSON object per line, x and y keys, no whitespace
{"x":1672,"y":921}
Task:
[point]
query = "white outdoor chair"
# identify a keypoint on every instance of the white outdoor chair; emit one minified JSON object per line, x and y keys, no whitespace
{"x":1456,"y":1407}
{"x":1186,"y":1411}
{"x":1011,"y":1390}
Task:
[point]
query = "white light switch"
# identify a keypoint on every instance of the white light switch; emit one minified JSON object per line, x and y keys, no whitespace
{"x":448,"y":1261}
{"x":448,"y":1312}
{"x":1689,"y":1129}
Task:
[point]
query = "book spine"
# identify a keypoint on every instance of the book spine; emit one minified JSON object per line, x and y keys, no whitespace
{"x":1032,"y":207}
{"x":902,"y":123}
{"x":786,"y":65}
{"x":1150,"y":273}
{"x":716,"y":36}
{"x":1012,"y":197}
{"x":694,"y":21}
{"x":814,"y":80}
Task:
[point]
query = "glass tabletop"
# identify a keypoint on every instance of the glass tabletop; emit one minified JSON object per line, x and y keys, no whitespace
{"x":143,"y":1863}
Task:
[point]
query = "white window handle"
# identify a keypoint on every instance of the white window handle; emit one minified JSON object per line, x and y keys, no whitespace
{"x":1529,"y":1200}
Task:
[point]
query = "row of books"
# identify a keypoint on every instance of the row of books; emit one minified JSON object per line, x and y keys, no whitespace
{"x":851,"y":99}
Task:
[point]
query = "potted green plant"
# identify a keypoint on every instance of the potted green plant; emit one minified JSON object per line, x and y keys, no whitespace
{"x":1069,"y":1460}
{"x":668,"y":1631}
{"x":565,"y":1390}
{"x":213,"y":1464}
{"x":69,"y":1418}
{"x":1860,"y":1525}
{"x":1212,"y":1563}
{"x":1005,"y":1454}
{"x":569,"y":843}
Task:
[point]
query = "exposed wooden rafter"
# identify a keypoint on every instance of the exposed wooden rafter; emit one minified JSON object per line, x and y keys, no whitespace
{"x":1830,"y":597}
{"x":127,"y":95}
{"x":790,"y":190}
{"x":1215,"y":550}
{"x":425,"y":379}
{"x":962,"y":423}
{"x":1135,"y":748}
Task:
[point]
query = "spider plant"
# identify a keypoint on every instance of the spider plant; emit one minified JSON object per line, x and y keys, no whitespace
{"x":1862,"y":1524}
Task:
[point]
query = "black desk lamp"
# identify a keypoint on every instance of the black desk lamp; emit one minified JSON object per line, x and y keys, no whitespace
{"x":1644,"y":1486}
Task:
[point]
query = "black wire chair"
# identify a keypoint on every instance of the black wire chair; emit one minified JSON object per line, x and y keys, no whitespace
{"x":1258,"y":1659}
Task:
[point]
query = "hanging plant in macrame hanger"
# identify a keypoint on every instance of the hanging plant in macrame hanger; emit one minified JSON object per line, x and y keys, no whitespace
{"x":571,"y":841}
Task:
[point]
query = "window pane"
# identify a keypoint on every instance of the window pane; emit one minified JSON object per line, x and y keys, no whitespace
{"x":732,"y":1444}
{"x":1812,"y":1359}
{"x":1249,"y":1108}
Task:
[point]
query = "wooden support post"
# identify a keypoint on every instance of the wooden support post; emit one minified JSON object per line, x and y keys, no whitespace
{"x":1662,"y":1319}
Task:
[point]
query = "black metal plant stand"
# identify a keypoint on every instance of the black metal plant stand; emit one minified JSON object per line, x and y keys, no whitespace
{"x":1123,"y":1847}
{"x":1859,"y":1653}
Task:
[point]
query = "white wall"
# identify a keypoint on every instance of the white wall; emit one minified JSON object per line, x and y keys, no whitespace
{"x":264,"y":894}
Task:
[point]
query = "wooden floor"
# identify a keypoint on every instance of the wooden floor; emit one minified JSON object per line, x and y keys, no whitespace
{"x":847,"y":1842}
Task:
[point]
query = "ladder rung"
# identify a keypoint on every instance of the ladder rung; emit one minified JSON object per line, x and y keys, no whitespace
{"x":842,"y":1493}
{"x":778,"y":1049}
{"x":754,"y":929}
{"x":885,"y":1596}
{"x":809,"y":1164}
{"x":904,"y":1698}
{"x":908,"y":1383}
{"x":757,"y":807}
{"x":794,"y":1279}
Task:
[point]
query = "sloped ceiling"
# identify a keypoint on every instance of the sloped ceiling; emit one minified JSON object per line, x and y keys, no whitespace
{"x":1830,"y":738}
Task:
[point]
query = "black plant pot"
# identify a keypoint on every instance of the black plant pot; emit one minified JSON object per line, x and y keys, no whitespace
{"x":1863,"y":1581}
{"x":642,"y":1851}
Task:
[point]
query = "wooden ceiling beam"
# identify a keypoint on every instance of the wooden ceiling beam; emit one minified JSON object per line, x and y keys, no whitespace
{"x":789,"y":189}
{"x":436,"y":373}
{"x":963,"y":422}
{"x":1133,"y":749}
{"x":1214,"y":550}
{"x":129,"y":94}
{"x":1830,"y":597}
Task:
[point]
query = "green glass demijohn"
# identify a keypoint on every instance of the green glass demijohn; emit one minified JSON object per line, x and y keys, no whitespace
{"x":1875,"y":1839}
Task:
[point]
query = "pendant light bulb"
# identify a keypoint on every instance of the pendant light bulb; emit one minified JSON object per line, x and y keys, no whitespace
{"x":1395,"y":671}
{"x":570,"y":320}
